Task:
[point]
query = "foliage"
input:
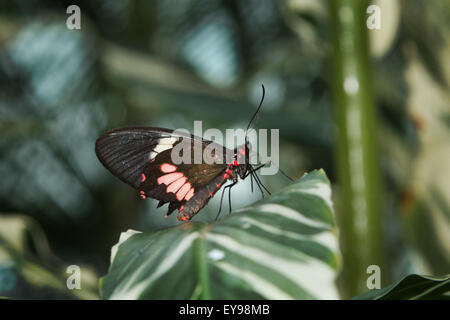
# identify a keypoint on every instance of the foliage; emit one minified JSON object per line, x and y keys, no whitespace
{"x":166,"y":64}
{"x":412,"y":287}
{"x":282,"y":247}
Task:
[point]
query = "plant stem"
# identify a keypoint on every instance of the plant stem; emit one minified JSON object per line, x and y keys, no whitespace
{"x":202,"y":268}
{"x":359,"y":214}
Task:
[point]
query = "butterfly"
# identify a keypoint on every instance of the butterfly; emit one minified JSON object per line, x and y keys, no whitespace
{"x":142,"y":158}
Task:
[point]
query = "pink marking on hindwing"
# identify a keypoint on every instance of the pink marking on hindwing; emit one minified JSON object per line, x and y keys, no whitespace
{"x":169,"y":178}
{"x":174,"y":186}
{"x":167,"y":167}
{"x":183,"y":191}
{"x":190,"y":194}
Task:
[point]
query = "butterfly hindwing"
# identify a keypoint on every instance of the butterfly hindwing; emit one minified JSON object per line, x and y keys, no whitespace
{"x":177,"y":184}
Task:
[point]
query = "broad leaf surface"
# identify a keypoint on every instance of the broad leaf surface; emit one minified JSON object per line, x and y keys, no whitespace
{"x":282,"y":247}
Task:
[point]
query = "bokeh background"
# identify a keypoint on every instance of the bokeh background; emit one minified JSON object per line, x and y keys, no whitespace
{"x":371,"y":107}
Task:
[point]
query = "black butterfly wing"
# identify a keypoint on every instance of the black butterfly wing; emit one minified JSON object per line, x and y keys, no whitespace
{"x":141,"y":157}
{"x":125,"y":152}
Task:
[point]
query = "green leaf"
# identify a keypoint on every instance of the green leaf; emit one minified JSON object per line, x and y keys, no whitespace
{"x":28,"y":267}
{"x":282,"y":247}
{"x":412,"y":287}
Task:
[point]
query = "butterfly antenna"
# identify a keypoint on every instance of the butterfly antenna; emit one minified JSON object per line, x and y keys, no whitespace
{"x":256,"y":112}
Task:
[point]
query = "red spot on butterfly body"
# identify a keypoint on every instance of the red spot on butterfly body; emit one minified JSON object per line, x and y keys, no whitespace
{"x":225,"y":176}
{"x":211,"y":194}
{"x":184,"y":218}
{"x":235,"y":163}
{"x":181,"y":208}
{"x":143,"y":177}
{"x":218,"y":186}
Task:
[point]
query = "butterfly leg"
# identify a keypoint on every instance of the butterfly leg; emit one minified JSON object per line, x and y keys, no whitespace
{"x":221,"y":197}
{"x":261,"y":184}
{"x":252,"y":170}
{"x":229,"y":199}
{"x":262,"y":165}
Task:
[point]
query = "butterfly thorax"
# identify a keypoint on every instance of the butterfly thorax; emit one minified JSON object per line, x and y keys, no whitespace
{"x":241,"y":156}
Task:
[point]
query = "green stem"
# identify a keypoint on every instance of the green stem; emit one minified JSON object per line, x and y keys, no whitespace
{"x":359,"y":213}
{"x":202,"y":268}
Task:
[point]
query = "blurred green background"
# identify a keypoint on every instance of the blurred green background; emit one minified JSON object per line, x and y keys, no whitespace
{"x":371,"y":107}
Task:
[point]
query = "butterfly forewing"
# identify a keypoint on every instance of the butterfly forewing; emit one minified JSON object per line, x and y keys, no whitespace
{"x":125,"y":152}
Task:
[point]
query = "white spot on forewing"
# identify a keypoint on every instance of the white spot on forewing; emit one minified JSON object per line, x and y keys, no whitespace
{"x":162,"y":147}
{"x":123,"y":237}
{"x":131,"y":290}
{"x":316,"y":277}
{"x":216,"y":254}
{"x":167,"y":141}
{"x":260,"y":285}
{"x":292,"y":214}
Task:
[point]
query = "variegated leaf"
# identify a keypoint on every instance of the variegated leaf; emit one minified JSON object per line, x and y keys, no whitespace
{"x":282,"y":247}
